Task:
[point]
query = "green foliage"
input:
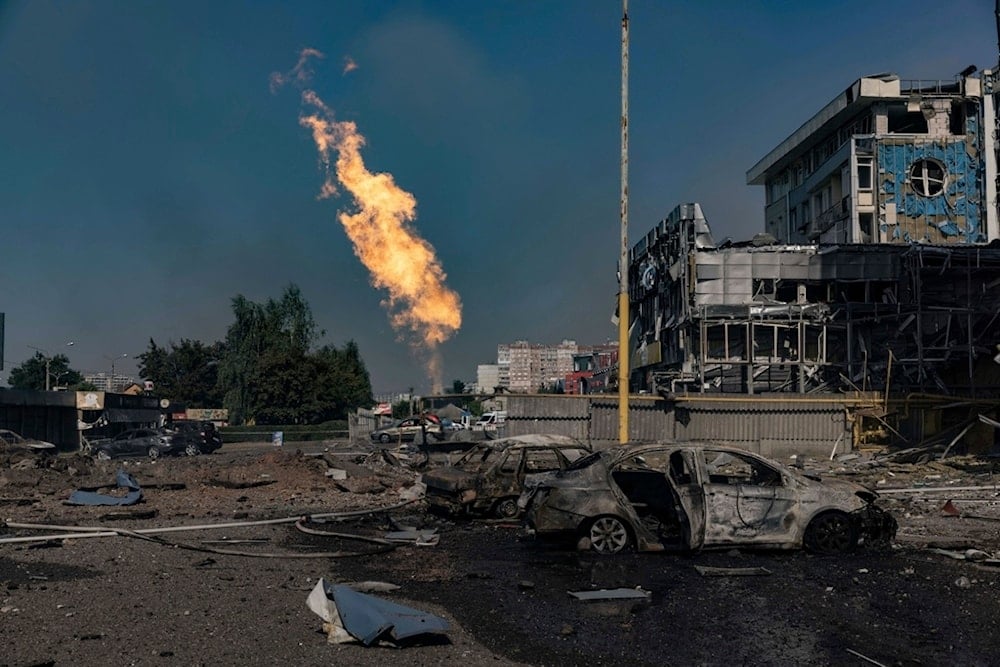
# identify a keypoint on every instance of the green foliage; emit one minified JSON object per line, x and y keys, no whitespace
{"x":402,"y":409}
{"x":31,"y":374}
{"x":270,"y":375}
{"x":457,"y":387}
{"x":185,"y":373}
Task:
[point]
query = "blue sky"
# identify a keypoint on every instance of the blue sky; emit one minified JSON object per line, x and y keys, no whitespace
{"x":149,"y":175}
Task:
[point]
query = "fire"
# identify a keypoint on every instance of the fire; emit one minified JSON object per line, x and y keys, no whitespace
{"x":381,"y":230}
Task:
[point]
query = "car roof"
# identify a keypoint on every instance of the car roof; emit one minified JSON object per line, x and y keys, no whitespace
{"x":537,"y":440}
{"x":633,"y":448}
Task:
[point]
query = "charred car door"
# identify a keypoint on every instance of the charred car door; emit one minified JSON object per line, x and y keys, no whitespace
{"x":747,"y":501}
{"x":660,"y":509}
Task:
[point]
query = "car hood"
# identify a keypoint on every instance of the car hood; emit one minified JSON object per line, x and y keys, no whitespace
{"x":448,"y":478}
{"x":825,"y":486}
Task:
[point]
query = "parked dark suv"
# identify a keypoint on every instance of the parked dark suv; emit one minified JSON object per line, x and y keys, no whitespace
{"x":139,"y":442}
{"x":202,"y":435}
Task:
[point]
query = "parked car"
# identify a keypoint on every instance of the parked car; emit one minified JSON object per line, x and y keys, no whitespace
{"x":140,"y":442}
{"x":490,"y":476}
{"x":203,"y":437}
{"x":686,"y":496}
{"x":11,"y":442}
{"x":406,"y":430}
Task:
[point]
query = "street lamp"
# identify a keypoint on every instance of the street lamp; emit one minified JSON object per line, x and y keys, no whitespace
{"x":113,"y":360}
{"x":48,"y":361}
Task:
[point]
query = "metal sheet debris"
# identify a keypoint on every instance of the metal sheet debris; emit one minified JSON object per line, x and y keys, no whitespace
{"x":123,"y":481}
{"x":421,"y":538}
{"x":706,"y":571}
{"x":613,"y":594}
{"x":351,"y":616}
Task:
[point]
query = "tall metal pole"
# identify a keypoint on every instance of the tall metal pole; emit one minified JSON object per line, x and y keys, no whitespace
{"x":623,"y":264}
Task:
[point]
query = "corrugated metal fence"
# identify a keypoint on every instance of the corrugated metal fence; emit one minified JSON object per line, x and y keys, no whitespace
{"x":770,"y":426}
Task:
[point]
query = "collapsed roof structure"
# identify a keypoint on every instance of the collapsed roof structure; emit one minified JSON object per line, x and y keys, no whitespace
{"x":879,"y":270}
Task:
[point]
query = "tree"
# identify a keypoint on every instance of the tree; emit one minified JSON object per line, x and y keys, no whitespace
{"x":271,"y":375}
{"x":31,"y":374}
{"x":263,"y":336}
{"x":186,"y":372}
{"x":457,"y":387}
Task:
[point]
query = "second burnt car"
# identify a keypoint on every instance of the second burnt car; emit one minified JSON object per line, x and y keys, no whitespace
{"x":489,"y":477}
{"x":690,"y":496}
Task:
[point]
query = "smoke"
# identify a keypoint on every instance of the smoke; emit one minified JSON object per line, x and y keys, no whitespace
{"x":300,"y":74}
{"x":422,"y":308}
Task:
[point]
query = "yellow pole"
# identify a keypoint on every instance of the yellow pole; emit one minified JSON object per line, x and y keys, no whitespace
{"x":623,"y":263}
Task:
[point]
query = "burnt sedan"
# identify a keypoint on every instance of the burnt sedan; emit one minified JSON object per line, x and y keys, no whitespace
{"x":685,"y":496}
{"x":489,"y":477}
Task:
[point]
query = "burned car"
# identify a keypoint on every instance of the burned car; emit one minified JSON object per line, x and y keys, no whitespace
{"x":11,"y":441}
{"x":686,"y":496}
{"x":489,"y":477}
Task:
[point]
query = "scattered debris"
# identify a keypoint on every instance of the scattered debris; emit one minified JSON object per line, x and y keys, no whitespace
{"x":706,"y":571}
{"x":351,"y":616}
{"x":636,"y":593}
{"x":129,"y":493}
{"x":372,"y":586}
{"x":866,"y":658}
{"x":241,"y":484}
{"x":128,"y":516}
{"x":421,"y":538}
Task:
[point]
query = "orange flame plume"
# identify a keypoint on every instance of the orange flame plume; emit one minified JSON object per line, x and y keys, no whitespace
{"x":384,"y":240}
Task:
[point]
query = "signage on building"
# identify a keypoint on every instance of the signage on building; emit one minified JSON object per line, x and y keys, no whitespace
{"x":208,"y":414}
{"x":90,"y":400}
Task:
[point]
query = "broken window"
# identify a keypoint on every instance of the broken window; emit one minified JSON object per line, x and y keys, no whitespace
{"x":867,"y":223}
{"x":865,"y":174}
{"x":927,"y":177}
{"x":511,"y":463}
{"x":735,"y":469}
{"x":540,"y":460}
{"x":680,"y":469}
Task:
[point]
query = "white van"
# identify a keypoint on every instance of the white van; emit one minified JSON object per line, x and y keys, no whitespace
{"x":489,"y":421}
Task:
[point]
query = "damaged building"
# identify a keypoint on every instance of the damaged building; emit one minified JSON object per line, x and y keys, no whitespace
{"x":878,"y":270}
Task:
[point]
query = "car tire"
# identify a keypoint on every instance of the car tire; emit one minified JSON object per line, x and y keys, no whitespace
{"x":506,"y":508}
{"x":192,"y":450}
{"x":608,"y":535}
{"x":153,"y":453}
{"x":830,"y":533}
{"x":102,"y":455}
{"x":384,"y":438}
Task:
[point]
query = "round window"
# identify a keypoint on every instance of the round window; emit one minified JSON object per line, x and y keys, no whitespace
{"x":927,"y":177}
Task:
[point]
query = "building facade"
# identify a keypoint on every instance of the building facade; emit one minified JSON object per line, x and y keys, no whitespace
{"x":888,"y":161}
{"x":876,"y":271}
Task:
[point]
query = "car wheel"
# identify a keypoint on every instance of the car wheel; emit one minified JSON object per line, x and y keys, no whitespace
{"x":384,"y":438}
{"x":102,"y":455}
{"x":154,"y":453}
{"x":192,"y":450}
{"x":830,"y":533}
{"x":506,"y":508}
{"x":608,"y":535}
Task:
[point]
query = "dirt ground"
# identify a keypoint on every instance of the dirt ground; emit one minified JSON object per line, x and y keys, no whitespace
{"x":125,"y":600}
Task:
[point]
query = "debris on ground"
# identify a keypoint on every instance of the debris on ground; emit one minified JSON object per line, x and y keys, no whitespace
{"x":636,"y":593}
{"x":706,"y":571}
{"x":127,"y":492}
{"x":350,"y":616}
